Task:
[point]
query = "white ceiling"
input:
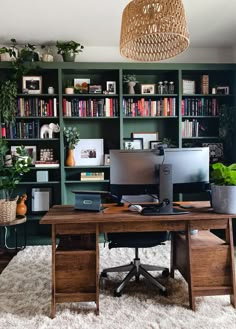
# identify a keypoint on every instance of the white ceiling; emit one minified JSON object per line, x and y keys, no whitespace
{"x":93,"y":23}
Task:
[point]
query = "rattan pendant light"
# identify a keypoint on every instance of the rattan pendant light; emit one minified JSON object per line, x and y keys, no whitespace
{"x":153,"y":30}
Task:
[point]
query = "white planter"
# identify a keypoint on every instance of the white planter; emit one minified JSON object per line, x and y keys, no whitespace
{"x":224,"y":199}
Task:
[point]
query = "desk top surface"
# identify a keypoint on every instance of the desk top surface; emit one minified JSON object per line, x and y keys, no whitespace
{"x":66,"y":214}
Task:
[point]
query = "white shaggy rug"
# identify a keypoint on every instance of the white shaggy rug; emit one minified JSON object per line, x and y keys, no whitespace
{"x":25,"y":298}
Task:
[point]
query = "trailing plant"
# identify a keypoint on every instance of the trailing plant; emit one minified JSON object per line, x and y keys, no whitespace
{"x":72,"y":136}
{"x":223,"y":175}
{"x":12,"y":170}
{"x":8,"y":93}
{"x":69,"y":47}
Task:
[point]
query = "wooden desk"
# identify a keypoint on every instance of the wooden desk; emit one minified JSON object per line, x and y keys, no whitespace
{"x":75,"y":263}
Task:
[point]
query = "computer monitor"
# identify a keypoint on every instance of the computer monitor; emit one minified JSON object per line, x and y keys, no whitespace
{"x":134,"y":172}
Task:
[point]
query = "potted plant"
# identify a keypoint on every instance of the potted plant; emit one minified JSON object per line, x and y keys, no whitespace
{"x":131,"y":80}
{"x":29,"y":54}
{"x":12,"y":169}
{"x":72,"y":138}
{"x":9,"y":53}
{"x":223,"y":188}
{"x":68,"y":49}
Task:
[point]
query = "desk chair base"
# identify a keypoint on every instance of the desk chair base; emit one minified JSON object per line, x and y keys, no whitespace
{"x":136,"y":269}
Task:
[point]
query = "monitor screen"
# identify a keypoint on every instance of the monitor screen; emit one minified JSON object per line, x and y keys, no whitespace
{"x":134,"y":172}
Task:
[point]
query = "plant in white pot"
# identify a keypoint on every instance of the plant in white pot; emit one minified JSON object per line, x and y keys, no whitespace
{"x":223,"y":188}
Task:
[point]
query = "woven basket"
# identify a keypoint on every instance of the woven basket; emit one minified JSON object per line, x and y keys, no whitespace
{"x":7,"y":210}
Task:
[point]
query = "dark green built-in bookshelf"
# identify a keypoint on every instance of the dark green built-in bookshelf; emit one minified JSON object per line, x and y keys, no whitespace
{"x":122,"y":119}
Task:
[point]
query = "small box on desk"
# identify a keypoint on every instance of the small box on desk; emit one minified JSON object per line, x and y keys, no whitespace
{"x":89,"y":200}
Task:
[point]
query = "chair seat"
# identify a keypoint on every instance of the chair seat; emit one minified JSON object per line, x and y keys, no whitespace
{"x":136,"y":239}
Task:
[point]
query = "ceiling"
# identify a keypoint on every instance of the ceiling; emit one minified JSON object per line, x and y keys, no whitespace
{"x":93,"y":23}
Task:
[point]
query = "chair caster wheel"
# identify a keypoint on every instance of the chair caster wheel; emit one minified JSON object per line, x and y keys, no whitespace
{"x":163,"y":293}
{"x":104,"y":275}
{"x":165,"y":273}
{"x":117,"y":294}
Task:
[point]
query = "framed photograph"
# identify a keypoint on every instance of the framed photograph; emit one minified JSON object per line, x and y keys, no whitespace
{"x":222,"y":90}
{"x":107,"y":160}
{"x":111,"y":87}
{"x":32,"y":85}
{"x":31,"y":150}
{"x":89,"y":152}
{"x":155,"y":144}
{"x":133,"y":143}
{"x":46,"y":155}
{"x":81,"y":85}
{"x":148,"y":89}
{"x":147,"y":138}
{"x":95,"y":89}
{"x":188,"y":87}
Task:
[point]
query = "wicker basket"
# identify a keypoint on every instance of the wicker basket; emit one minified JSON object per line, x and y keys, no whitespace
{"x":7,"y":210}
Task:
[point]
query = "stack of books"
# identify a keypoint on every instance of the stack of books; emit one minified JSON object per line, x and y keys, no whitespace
{"x":92,"y":176}
{"x":205,"y":84}
{"x":52,"y":164}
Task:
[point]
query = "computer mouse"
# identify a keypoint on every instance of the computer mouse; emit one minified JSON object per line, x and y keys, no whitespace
{"x":135,"y":207}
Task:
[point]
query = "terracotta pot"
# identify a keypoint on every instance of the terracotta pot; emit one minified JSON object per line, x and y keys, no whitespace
{"x":70,"y":160}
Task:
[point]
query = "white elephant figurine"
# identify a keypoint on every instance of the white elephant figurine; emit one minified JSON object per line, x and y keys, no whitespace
{"x":47,"y":130}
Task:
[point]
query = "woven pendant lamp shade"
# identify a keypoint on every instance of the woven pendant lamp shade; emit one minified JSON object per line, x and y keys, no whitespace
{"x":153,"y":30}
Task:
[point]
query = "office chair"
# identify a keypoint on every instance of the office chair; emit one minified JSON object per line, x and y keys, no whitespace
{"x":136,"y":241}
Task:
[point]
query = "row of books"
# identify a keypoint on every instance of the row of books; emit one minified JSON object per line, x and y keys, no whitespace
{"x":190,"y":128}
{"x":200,"y":106}
{"x":37,"y":107}
{"x":23,"y":130}
{"x":105,"y":107}
{"x":147,"y":107}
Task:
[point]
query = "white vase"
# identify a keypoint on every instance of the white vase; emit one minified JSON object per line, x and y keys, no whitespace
{"x":131,"y":85}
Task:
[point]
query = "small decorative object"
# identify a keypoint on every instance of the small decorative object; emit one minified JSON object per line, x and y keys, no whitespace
{"x":171,"y":87}
{"x":21,"y":208}
{"x":111,"y":87}
{"x":81,"y":85}
{"x":47,"y":56}
{"x":188,"y":87}
{"x":68,"y":50}
{"x":72,"y":138}
{"x":46,"y":155}
{"x":133,"y":143}
{"x":50,"y":90}
{"x":148,"y":89}
{"x":32,"y":84}
{"x":160,"y":87}
{"x":69,"y":90}
{"x":131,"y":80}
{"x":47,"y":130}
{"x":107,"y":160}
{"x":95,"y":89}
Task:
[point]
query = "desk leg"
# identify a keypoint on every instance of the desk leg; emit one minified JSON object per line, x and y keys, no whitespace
{"x":229,"y":240}
{"x":53,"y":302}
{"x":189,"y":269}
{"x":97,"y":269}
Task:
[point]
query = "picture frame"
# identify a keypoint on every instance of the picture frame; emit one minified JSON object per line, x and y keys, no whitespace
{"x":107,"y":160}
{"x":188,"y":86}
{"x":46,"y":155}
{"x":221,"y":90}
{"x":133,"y":143}
{"x":89,"y":152}
{"x":154,"y":144}
{"x":111,"y":87}
{"x":31,"y":150}
{"x":147,"y":137}
{"x":81,"y":85}
{"x":32,"y":85}
{"x":95,"y":89}
{"x":149,"y":89}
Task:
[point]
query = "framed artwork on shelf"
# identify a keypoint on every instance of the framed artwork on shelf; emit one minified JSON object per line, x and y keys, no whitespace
{"x":32,"y":84}
{"x":107,"y":160}
{"x":111,"y":87}
{"x":148,"y":89}
{"x":81,"y":85}
{"x":132,"y":143}
{"x":147,"y":138}
{"x":89,"y":152}
{"x":188,"y":87}
{"x":222,"y":90}
{"x":156,"y":144}
{"x":46,"y":155}
{"x":31,"y":150}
